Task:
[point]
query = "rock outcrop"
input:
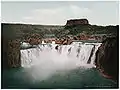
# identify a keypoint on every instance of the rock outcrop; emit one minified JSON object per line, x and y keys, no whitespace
{"x":64,"y":41}
{"x":107,"y":58}
{"x":10,"y":48}
{"x":11,"y":54}
{"x":73,"y":22}
{"x":34,"y":39}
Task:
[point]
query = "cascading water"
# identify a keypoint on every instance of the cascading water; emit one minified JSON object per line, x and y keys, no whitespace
{"x":78,"y":53}
{"x":47,"y":59}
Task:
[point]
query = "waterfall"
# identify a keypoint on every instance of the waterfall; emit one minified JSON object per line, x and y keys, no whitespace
{"x":76,"y":54}
{"x":46,"y":60}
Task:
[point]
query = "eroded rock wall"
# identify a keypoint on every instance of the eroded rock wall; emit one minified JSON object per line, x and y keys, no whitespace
{"x":10,"y":48}
{"x":11,"y":54}
{"x":107,"y":60}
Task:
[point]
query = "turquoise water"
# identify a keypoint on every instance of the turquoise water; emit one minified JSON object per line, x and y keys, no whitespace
{"x":78,"y":78}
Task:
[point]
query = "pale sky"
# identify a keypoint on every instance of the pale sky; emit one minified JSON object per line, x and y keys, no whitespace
{"x":57,"y":13}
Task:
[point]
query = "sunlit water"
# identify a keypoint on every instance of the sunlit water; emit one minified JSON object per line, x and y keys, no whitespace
{"x":67,"y":67}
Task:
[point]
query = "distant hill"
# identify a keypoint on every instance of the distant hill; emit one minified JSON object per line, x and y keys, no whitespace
{"x":92,"y":29}
{"x":21,"y":31}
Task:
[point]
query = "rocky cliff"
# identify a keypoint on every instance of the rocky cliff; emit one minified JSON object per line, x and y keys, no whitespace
{"x":10,"y":56}
{"x":13,"y":53}
{"x":73,"y":22}
{"x":107,"y":58}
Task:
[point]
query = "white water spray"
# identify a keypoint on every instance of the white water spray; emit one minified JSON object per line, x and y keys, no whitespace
{"x":45,"y":60}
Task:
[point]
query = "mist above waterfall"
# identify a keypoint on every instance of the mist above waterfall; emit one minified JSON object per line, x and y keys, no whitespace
{"x":42,"y":62}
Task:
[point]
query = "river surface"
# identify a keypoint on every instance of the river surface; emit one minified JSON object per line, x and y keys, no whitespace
{"x":77,"y":78}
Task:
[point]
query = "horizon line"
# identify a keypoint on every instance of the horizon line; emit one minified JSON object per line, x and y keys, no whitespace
{"x":53,"y":24}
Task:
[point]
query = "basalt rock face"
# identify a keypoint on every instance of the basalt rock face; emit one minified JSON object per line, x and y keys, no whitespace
{"x":34,"y":39}
{"x":11,"y":54}
{"x":73,"y":22}
{"x":107,"y":58}
{"x":10,"y":49}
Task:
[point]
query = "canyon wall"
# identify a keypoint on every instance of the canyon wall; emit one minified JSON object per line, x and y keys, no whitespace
{"x":107,"y":60}
{"x":10,"y":56}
